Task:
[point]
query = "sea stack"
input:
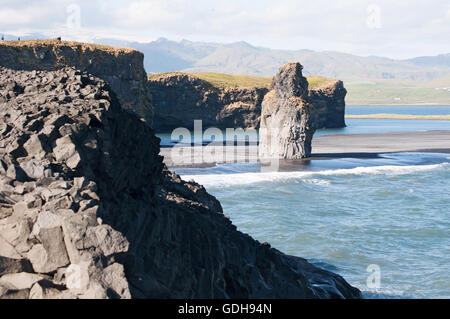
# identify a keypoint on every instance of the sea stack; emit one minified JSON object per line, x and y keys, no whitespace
{"x":288,"y":121}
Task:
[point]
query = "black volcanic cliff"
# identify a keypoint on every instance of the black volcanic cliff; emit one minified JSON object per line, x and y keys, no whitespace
{"x":122,"y":69}
{"x":180,"y":98}
{"x":89,"y":210}
{"x":329,"y":101}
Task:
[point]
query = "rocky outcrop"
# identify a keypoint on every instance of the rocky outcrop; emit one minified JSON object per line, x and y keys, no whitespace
{"x":89,"y":210}
{"x":121,"y":68}
{"x":181,"y":98}
{"x":288,"y":121}
{"x":54,"y":170}
{"x":329,"y":101}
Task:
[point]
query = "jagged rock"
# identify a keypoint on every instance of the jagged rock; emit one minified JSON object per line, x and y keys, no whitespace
{"x":181,"y":98}
{"x":107,"y":239}
{"x":114,"y":277}
{"x":118,"y":224}
{"x":34,"y":147}
{"x":290,"y":82}
{"x":34,"y":169}
{"x":7,"y":250}
{"x":45,"y":289}
{"x":86,"y":281}
{"x":15,"y":231}
{"x":8,"y":291}
{"x":288,"y":121}
{"x":77,"y":277}
{"x":20,"y":280}
{"x":12,"y":265}
{"x":51,"y":254}
{"x":65,"y":150}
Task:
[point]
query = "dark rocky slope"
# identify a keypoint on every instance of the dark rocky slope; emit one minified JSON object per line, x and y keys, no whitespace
{"x":89,"y":210}
{"x":180,"y":98}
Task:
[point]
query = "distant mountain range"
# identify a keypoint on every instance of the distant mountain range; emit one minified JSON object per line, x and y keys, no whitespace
{"x":242,"y":58}
{"x":164,"y":55}
{"x":368,"y":80}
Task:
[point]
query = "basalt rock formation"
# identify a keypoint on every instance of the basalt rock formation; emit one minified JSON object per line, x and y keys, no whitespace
{"x":329,"y":101}
{"x":121,"y":68}
{"x":89,"y":210}
{"x":288,"y":121}
{"x":181,"y":98}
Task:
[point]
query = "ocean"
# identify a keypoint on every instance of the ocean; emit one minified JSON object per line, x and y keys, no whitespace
{"x":365,"y":126}
{"x":386,"y":218}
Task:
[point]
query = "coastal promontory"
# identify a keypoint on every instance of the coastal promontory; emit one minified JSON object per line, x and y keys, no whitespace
{"x":89,"y":210}
{"x":232,"y":101}
{"x":121,"y":68}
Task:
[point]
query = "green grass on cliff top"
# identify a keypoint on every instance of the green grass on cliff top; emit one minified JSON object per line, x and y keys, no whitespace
{"x":221,"y":80}
{"x":227,"y":80}
{"x":72,"y":44}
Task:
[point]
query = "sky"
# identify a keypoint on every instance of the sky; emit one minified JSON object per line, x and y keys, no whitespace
{"x":396,"y":29}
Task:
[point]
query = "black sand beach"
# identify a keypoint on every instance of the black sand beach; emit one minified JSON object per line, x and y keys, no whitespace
{"x":323,"y":147}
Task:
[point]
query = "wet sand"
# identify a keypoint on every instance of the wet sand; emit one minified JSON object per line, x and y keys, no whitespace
{"x":323,"y":147}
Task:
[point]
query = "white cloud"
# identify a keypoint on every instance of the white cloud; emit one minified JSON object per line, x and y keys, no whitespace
{"x":28,"y":15}
{"x":141,"y":13}
{"x":408,"y":27}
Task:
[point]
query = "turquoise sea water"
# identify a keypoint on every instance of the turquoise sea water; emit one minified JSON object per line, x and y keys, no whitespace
{"x":346,"y":215}
{"x":398,"y":109}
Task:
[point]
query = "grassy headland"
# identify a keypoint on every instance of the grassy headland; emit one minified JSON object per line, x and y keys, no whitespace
{"x":72,"y":44}
{"x":383,"y":92}
{"x":221,"y":80}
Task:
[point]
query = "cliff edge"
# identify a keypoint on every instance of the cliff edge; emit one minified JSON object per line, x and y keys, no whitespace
{"x":89,"y":210}
{"x":121,"y":68}
{"x":230,"y":101}
{"x":328,"y":98}
{"x":181,"y":98}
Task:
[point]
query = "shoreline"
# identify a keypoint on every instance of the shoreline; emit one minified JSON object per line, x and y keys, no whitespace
{"x":403,"y":104}
{"x":399,"y":117}
{"x":326,"y":147}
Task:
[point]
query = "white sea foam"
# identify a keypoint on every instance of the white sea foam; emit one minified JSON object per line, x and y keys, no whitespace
{"x":225,"y":180}
{"x":383,"y":294}
{"x":315,"y":181}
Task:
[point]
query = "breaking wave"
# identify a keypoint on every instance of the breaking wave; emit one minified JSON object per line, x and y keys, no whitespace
{"x":225,"y":180}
